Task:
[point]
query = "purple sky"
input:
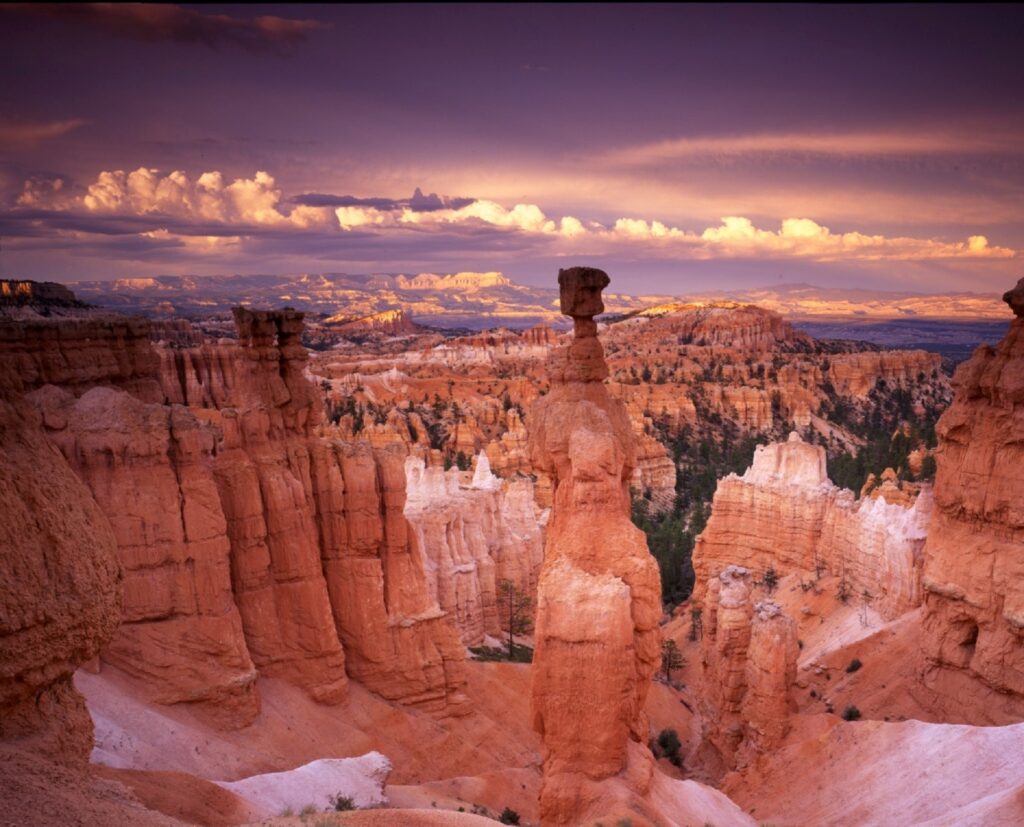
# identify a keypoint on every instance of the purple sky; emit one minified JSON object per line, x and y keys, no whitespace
{"x":678,"y":147}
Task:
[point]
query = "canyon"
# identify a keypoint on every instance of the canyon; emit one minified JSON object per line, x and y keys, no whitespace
{"x":246,"y":563}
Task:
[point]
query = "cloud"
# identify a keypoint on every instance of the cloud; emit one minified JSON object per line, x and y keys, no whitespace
{"x":417,"y":203}
{"x":152,"y":22}
{"x":826,"y":144}
{"x":49,"y":191}
{"x":255,"y":200}
{"x":209,"y":215}
{"x":804,"y":238}
{"x":26,"y":133}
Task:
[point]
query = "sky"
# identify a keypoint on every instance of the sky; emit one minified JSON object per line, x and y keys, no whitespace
{"x":678,"y":147}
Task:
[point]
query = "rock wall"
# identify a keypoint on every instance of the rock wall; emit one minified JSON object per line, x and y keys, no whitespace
{"x":61,"y":598}
{"x":974,"y":558}
{"x":472,"y":536}
{"x":599,"y":597}
{"x":749,"y":656}
{"x":855,"y":374}
{"x":250,"y":543}
{"x":785,"y":514}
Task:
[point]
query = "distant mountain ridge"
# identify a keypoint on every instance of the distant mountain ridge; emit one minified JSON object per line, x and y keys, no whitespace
{"x":489,"y":299}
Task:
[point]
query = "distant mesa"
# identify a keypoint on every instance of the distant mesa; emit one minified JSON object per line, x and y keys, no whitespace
{"x":456,"y":281}
{"x":38,"y":293}
{"x":390,"y":322}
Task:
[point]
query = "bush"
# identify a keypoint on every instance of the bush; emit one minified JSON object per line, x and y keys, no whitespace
{"x":668,"y":740}
{"x":851,"y":713}
{"x":509,"y":816}
{"x":342,"y":803}
{"x":855,"y":664}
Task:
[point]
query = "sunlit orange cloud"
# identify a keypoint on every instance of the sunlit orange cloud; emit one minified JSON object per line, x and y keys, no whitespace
{"x":26,"y":133}
{"x":838,"y":143}
{"x":252,"y":203}
{"x":598,"y":189}
{"x":254,"y":200}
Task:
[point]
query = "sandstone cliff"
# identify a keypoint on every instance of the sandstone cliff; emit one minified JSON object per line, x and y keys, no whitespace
{"x":472,"y":537}
{"x":61,"y":597}
{"x":974,"y":566}
{"x":749,"y":654}
{"x":597,"y":635}
{"x":784,"y":514}
{"x":251,"y":544}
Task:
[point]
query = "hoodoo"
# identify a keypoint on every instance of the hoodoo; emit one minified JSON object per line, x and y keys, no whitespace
{"x":974,"y":599}
{"x":597,"y":633}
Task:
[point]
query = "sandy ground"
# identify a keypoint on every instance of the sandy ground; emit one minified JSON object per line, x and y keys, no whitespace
{"x":876,"y":774}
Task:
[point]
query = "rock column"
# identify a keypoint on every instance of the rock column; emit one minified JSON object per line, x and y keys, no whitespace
{"x":599,"y":595}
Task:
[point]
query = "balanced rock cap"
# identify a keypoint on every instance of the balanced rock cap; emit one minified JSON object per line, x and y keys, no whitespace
{"x":1014,"y":298}
{"x":580,"y":291}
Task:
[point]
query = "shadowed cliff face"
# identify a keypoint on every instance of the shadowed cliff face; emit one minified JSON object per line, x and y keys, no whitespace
{"x":250,"y":544}
{"x":61,"y":596}
{"x":974,"y":566}
{"x":597,"y":635}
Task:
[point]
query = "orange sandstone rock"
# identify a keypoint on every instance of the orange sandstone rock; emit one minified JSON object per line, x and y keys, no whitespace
{"x":598,"y":642}
{"x":61,"y":599}
{"x":974,"y":565}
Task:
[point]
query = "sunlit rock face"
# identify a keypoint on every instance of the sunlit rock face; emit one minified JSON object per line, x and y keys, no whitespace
{"x":597,"y":635}
{"x":749,"y":654}
{"x":61,"y":596}
{"x":472,"y":535}
{"x":785,"y":514}
{"x":250,"y":544}
{"x":974,"y":564}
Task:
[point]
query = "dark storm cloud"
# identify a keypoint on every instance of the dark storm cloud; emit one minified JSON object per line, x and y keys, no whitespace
{"x":154,"y":22}
{"x":37,"y":223}
{"x":417,"y":203}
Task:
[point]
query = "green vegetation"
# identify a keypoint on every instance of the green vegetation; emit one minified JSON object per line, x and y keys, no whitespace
{"x":671,"y":658}
{"x":517,"y":606}
{"x":855,"y":664}
{"x":669,"y":744}
{"x":851,"y":713}
{"x":342,"y":803}
{"x":509,"y":816}
{"x":700,"y":463}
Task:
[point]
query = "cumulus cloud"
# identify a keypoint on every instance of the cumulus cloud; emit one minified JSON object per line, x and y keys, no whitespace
{"x":143,"y":191}
{"x":15,"y":133}
{"x":48,"y":191}
{"x":210,"y":214}
{"x":153,"y":22}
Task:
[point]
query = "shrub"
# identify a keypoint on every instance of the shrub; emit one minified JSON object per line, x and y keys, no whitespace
{"x":342,"y":803}
{"x":509,"y":816}
{"x":855,"y":664}
{"x":668,"y":740}
{"x":851,"y":713}
{"x":308,"y":810}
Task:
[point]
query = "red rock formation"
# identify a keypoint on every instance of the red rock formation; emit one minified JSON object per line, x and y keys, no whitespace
{"x":749,"y":653}
{"x":474,"y":535}
{"x":599,"y":594}
{"x":387,"y":322}
{"x":974,"y":568}
{"x":724,"y":656}
{"x":61,"y":597}
{"x":78,"y":354}
{"x":397,"y":641}
{"x":229,"y":512}
{"x":149,"y":468}
{"x":785,"y":514}
{"x":855,"y":374}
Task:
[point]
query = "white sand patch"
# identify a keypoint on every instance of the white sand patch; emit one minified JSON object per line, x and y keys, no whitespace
{"x":316,"y":784}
